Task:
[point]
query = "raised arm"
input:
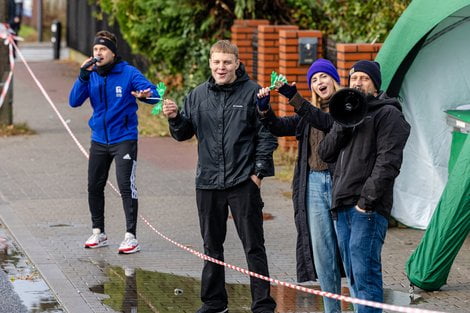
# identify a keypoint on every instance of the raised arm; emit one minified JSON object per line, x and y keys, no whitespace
{"x":316,"y":117}
{"x":143,"y":89}
{"x":331,"y":146}
{"x":278,"y":126}
{"x":80,"y":90}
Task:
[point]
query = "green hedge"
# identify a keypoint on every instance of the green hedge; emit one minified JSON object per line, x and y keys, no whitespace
{"x":175,"y":35}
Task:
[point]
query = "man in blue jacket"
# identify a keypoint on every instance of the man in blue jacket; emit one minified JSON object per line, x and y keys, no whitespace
{"x":112,"y":86}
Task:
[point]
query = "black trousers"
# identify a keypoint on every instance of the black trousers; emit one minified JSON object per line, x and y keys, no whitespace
{"x":246,"y":206}
{"x":101,"y":157}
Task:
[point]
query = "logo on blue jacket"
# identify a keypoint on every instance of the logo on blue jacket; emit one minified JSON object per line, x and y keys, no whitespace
{"x":118,"y":92}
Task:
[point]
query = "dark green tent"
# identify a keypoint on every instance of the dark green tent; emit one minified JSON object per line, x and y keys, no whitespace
{"x":429,"y":265}
{"x":425,"y":63}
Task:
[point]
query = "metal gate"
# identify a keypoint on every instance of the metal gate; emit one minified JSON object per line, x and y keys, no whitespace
{"x":82,"y":25}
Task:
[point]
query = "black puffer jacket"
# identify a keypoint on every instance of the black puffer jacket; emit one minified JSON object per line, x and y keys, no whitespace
{"x":299,"y":125}
{"x":368,"y":157}
{"x":232,"y":142}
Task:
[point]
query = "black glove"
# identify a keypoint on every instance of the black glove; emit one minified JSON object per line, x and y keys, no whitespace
{"x":344,"y":133}
{"x":288,"y":91}
{"x":84,"y":74}
{"x":263,"y":103}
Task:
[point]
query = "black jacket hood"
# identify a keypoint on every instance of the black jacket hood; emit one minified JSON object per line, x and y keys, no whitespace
{"x":381,"y":100}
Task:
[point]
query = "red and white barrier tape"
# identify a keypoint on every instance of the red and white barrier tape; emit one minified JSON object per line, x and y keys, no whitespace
{"x":208,"y":258}
{"x":8,"y":36}
{"x":38,"y":83}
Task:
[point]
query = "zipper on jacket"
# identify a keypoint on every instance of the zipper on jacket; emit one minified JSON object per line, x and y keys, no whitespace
{"x":222,"y":139}
{"x":341,"y":170}
{"x":106,"y":110}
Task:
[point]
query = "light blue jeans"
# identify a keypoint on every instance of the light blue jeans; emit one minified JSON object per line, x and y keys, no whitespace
{"x":361,"y":237}
{"x":323,"y":237}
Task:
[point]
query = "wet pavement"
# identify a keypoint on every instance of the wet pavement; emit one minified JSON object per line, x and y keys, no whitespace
{"x":165,"y":293}
{"x":148,"y":291}
{"x":43,"y":202}
{"x":22,"y":287}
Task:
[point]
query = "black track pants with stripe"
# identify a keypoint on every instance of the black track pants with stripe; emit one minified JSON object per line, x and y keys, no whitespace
{"x":101,"y":156}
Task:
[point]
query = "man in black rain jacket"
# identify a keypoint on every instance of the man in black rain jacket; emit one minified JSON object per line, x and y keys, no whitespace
{"x":234,"y":154}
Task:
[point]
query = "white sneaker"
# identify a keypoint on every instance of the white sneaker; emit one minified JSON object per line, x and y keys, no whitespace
{"x":129,"y":245}
{"x":97,"y":240}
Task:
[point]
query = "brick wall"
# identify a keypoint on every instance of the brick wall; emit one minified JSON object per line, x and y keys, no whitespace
{"x":289,"y":66}
{"x":350,"y":53}
{"x":242,"y":36}
{"x":268,"y":56}
{"x":278,"y":50}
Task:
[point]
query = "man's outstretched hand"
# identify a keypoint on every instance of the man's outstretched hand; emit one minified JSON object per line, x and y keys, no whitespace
{"x":170,"y":109}
{"x":142,"y":94}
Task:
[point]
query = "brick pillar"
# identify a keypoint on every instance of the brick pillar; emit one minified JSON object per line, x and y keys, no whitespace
{"x":289,"y":66}
{"x":268,"y":55}
{"x":242,"y":36}
{"x":350,"y":53}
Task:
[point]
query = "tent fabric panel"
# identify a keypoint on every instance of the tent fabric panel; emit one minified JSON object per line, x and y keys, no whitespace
{"x":458,"y":140}
{"x":429,"y":265}
{"x":419,"y":18}
{"x":432,"y":86}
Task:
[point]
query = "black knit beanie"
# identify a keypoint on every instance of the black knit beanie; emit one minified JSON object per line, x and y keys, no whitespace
{"x":110,"y":44}
{"x":371,"y":68}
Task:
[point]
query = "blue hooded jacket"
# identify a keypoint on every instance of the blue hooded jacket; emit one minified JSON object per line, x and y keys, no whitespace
{"x":114,"y":117}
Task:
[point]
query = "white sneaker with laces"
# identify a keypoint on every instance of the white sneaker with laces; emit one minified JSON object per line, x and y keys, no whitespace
{"x":129,"y":244}
{"x":97,"y":240}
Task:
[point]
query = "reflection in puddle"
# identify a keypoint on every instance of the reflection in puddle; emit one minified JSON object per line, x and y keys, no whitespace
{"x":145,"y":291}
{"x":141,"y":291}
{"x":400,"y":298}
{"x":26,"y":281}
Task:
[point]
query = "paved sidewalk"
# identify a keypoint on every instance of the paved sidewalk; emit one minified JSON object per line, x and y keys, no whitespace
{"x":43,"y":202}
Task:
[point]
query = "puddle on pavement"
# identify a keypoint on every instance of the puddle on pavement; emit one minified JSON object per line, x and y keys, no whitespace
{"x":401,"y":298}
{"x":26,"y":281}
{"x":143,"y":291}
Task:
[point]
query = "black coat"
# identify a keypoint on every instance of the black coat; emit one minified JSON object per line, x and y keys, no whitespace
{"x":368,"y":157}
{"x":299,"y":125}
{"x":15,"y":9}
{"x":232,"y":142}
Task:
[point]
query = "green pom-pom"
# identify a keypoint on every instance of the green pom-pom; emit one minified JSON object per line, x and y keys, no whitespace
{"x":157,"y":108}
{"x":277,"y":80}
{"x":161,"y":88}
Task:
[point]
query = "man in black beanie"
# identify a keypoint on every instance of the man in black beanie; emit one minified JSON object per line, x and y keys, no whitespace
{"x":365,"y":76}
{"x":368,"y":158}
